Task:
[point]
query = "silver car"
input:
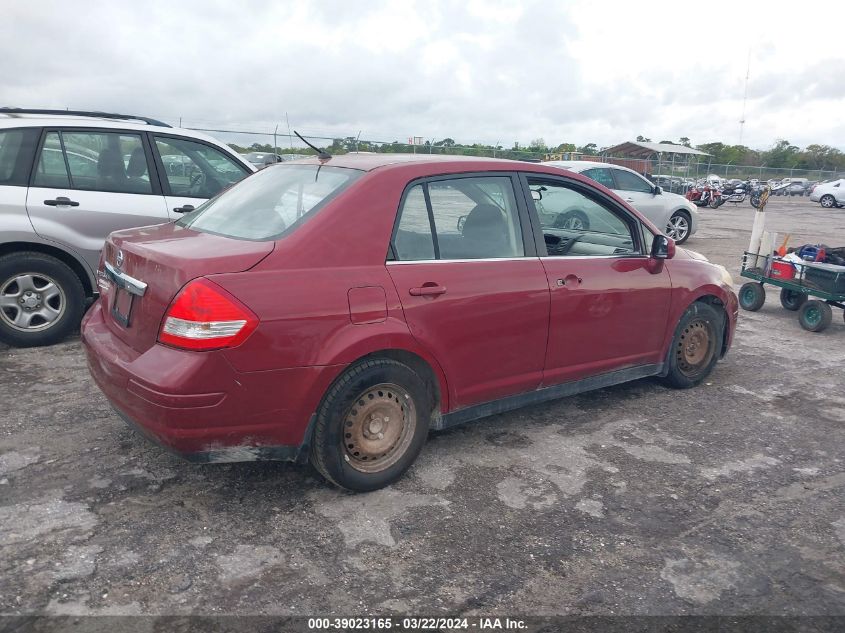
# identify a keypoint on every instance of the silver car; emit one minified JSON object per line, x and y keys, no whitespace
{"x":67,"y":180}
{"x":676,"y":215}
{"x":829,"y":194}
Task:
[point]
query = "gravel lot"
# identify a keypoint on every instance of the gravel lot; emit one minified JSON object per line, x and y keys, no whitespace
{"x":725,"y":499}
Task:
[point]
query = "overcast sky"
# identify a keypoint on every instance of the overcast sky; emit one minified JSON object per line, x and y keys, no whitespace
{"x":471,"y":70}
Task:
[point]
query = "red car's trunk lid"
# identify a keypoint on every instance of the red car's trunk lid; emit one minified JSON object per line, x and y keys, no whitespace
{"x":164,"y":258}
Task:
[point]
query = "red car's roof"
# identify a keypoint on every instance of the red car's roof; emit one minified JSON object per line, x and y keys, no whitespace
{"x":423,"y":165}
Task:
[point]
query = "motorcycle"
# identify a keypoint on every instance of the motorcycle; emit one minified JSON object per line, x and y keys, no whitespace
{"x":702,"y":196}
{"x":736,"y":194}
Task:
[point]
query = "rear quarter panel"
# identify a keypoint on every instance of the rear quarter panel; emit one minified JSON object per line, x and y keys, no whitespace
{"x":13,"y":215}
{"x":306,"y":321}
{"x":301,"y":291}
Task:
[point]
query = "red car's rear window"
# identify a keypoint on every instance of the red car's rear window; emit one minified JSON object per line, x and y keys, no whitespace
{"x":272,"y":202}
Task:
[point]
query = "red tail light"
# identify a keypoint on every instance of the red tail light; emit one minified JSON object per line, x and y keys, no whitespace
{"x":203,"y":316}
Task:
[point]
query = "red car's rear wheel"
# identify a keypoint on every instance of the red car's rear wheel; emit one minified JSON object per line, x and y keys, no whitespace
{"x":371,"y":425}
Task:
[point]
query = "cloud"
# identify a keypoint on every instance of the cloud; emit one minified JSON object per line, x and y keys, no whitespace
{"x":474,"y":71}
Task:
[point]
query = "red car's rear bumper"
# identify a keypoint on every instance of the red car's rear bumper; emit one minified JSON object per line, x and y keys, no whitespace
{"x":197,"y":405}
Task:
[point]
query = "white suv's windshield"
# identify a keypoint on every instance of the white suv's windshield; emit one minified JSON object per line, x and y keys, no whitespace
{"x":271,"y":202}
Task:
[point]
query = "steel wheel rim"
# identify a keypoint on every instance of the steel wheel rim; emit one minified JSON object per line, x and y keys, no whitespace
{"x":378,"y":428}
{"x":812,"y":315}
{"x":827,"y":201}
{"x":748,"y":296}
{"x":31,"y":302}
{"x":678,"y":227}
{"x":695,"y":347}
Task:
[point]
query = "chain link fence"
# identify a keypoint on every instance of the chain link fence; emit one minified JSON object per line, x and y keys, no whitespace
{"x":284,"y":142}
{"x":678,"y":174}
{"x":672,"y":174}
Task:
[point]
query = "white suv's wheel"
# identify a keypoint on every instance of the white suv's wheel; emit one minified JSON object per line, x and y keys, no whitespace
{"x":41,"y":299}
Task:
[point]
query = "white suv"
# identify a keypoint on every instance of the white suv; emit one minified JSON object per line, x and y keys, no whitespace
{"x":67,"y":180}
{"x":676,"y":215}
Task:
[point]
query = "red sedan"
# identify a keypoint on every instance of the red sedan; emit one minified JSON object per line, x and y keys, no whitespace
{"x":338,"y":309}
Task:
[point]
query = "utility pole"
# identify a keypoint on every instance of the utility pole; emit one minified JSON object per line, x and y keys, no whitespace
{"x":745,"y":96}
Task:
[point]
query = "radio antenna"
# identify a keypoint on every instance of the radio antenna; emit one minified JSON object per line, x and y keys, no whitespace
{"x":321,"y":153}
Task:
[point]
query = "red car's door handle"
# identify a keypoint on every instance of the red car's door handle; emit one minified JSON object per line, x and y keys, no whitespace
{"x":569,"y":280}
{"x":427,"y":290}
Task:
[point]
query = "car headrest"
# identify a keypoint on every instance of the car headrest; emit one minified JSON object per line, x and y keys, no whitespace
{"x":110,"y":164}
{"x":137,"y":166}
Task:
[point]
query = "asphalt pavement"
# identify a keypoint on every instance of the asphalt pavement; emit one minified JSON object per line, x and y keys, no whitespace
{"x":724,"y":499}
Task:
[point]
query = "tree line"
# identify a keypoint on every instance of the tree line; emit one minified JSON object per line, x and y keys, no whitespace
{"x":782,"y":154}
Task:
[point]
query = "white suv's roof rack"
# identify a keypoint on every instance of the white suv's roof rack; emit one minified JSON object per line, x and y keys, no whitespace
{"x":100,"y":115}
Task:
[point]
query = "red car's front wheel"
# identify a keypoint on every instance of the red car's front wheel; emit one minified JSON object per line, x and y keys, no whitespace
{"x":695,"y":347}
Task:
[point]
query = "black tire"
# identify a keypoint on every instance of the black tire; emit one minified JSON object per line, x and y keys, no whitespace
{"x":828,"y":201}
{"x":755,"y":201}
{"x":752,"y":296}
{"x":792,"y":300}
{"x":69,"y":302}
{"x":696,"y":346}
{"x":341,"y":458}
{"x":574,"y":220}
{"x":815,"y":316}
{"x":674,"y":229}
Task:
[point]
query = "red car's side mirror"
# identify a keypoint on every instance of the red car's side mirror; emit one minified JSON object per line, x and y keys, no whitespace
{"x":662,"y":247}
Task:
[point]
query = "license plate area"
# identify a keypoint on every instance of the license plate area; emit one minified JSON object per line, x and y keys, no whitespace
{"x":126,"y":288}
{"x":121,"y":308}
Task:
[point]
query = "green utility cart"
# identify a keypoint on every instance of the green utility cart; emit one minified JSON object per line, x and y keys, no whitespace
{"x":825,"y":283}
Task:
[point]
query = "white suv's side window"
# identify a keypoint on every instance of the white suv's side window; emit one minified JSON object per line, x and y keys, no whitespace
{"x":16,"y":150}
{"x":52,"y":169}
{"x":196,"y":170}
{"x":107,"y":161}
{"x":93,"y":161}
